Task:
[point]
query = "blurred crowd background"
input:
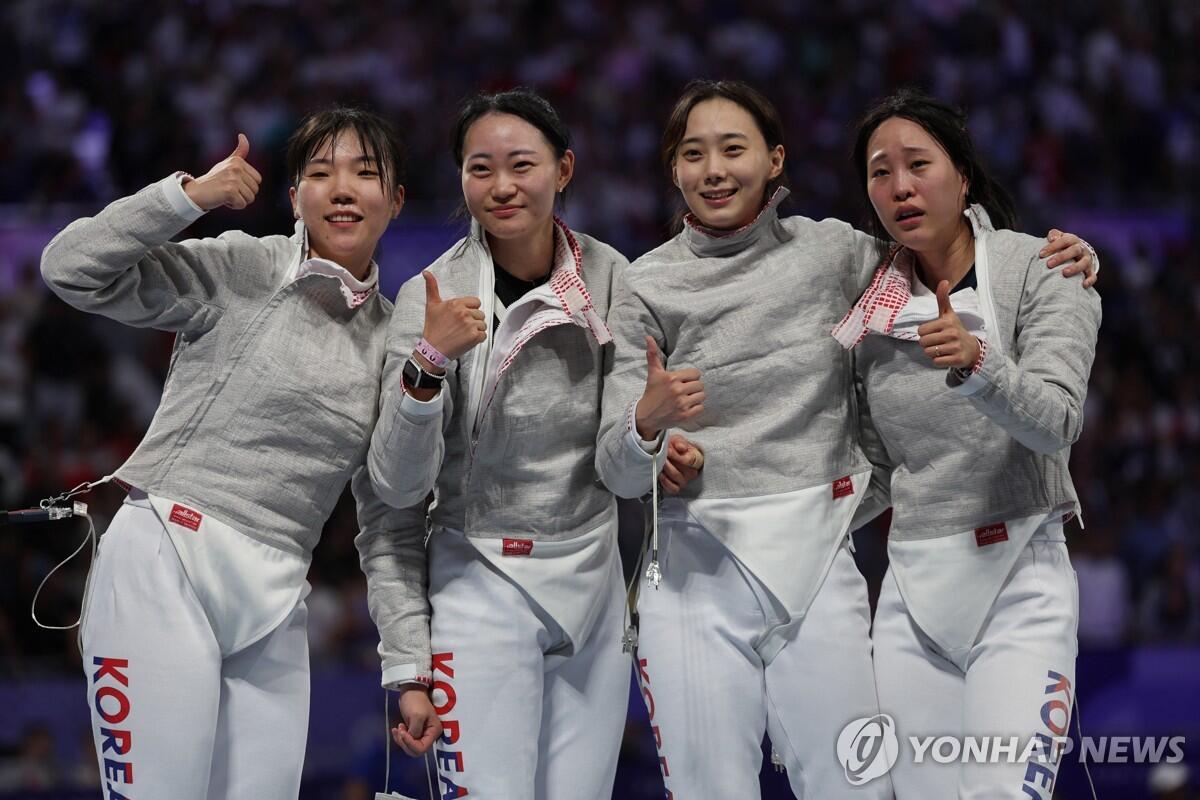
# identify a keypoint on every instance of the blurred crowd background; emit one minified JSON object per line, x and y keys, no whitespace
{"x":1089,"y":112}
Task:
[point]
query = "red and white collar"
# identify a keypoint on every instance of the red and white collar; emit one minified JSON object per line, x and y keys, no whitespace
{"x":354,"y":291}
{"x":897,"y":303}
{"x":776,"y":198}
{"x":566,"y":281}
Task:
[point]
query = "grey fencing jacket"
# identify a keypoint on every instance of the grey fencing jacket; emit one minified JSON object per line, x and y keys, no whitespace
{"x":752,"y":310}
{"x":965,"y":454}
{"x":272,"y":391}
{"x":528,"y":467}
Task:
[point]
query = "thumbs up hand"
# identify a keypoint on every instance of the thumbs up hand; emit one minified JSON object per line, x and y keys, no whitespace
{"x":452,"y":326}
{"x":670,"y":397}
{"x":231,"y":182}
{"x":946,"y":340}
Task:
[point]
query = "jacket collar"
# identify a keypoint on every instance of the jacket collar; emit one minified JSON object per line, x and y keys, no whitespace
{"x":706,"y":242}
{"x":354,"y":291}
{"x":979,"y":219}
{"x":566,"y":278}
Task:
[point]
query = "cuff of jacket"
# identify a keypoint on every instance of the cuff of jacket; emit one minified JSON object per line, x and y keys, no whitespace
{"x":973,"y":382}
{"x":401,"y":675}
{"x":639,"y":450}
{"x":181,"y":204}
{"x":415,"y":409}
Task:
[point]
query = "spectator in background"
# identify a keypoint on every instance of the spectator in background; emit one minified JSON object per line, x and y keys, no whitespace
{"x":34,"y":768}
{"x":84,"y":118}
{"x":84,"y":772}
{"x":1104,"y":590}
{"x":1170,"y":607}
{"x":1171,"y":782}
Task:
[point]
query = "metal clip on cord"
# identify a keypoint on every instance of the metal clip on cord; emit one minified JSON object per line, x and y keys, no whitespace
{"x":52,"y":508}
{"x":82,"y":488}
{"x":49,"y":510}
{"x":653,"y":570}
{"x":629,"y":639}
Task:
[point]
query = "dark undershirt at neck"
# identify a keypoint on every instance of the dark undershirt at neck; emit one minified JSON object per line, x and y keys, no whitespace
{"x":510,"y":289}
{"x":967,"y":281}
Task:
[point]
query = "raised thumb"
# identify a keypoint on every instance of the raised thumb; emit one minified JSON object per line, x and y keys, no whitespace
{"x":243,"y":147}
{"x":653,"y":357}
{"x":432,"y":295}
{"x":943,"y":298}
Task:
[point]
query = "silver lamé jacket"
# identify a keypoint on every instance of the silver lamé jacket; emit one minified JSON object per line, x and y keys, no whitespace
{"x":271,"y":395}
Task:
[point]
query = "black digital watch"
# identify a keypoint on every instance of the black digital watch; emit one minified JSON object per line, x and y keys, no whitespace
{"x":417,"y":378}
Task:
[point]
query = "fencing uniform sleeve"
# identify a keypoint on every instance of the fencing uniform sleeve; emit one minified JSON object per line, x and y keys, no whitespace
{"x":122,"y":264}
{"x":391,"y":550}
{"x":407,"y":447}
{"x":621,"y":460}
{"x":879,"y":492}
{"x":1038,"y":398}
{"x":865,"y":256}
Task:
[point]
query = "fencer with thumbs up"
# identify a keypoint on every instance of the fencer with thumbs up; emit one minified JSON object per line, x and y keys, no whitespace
{"x":974,"y":401}
{"x":193,"y":635}
{"x":496,"y":365}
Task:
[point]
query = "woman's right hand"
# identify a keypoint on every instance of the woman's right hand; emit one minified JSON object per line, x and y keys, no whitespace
{"x":452,"y":326}
{"x":231,"y":182}
{"x":671,"y":397}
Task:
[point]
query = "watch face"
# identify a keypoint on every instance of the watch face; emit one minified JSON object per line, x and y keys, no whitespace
{"x":417,"y":378}
{"x":410,"y":373}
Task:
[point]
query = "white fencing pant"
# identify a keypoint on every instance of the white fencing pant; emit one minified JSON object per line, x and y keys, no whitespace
{"x":519,"y":720}
{"x":711,"y":697}
{"x":1017,"y":680}
{"x":171,"y":717}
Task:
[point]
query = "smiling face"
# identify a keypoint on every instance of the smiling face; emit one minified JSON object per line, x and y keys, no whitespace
{"x":722,"y":165}
{"x":510,"y":176}
{"x":343,"y":204}
{"x":915,"y":189}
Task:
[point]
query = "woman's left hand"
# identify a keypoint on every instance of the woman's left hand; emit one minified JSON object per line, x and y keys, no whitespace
{"x":946,"y":340}
{"x":684,"y":462}
{"x":1075,"y":253}
{"x":419,"y":727}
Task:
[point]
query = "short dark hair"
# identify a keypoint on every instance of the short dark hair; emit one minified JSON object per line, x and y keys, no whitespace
{"x":521,"y":102}
{"x":765,"y":115}
{"x":378,"y":137}
{"x":948,"y":126}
